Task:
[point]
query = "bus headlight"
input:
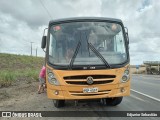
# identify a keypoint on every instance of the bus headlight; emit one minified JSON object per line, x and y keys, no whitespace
{"x":50,"y":75}
{"x":51,"y":79}
{"x":126,"y":72}
{"x":125,"y":76}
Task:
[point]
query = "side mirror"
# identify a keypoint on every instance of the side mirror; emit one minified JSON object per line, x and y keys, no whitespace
{"x":126,"y":32}
{"x":43,"y":44}
{"x":127,"y":38}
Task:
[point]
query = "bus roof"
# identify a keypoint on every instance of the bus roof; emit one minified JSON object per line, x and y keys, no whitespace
{"x":85,"y":19}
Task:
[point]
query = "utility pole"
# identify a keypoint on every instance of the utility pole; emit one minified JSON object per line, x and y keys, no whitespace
{"x":31,"y":48}
{"x":36,"y":51}
{"x":1,"y":44}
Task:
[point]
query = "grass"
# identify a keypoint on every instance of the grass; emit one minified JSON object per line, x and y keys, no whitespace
{"x":7,"y":77}
{"x":19,"y":67}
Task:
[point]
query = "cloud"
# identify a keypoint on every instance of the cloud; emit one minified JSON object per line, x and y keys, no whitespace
{"x":22,"y":22}
{"x":16,"y":35}
{"x":141,"y":18}
{"x":29,"y":11}
{"x":73,"y":8}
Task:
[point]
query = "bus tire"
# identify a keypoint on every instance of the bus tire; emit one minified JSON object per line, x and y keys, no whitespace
{"x":59,"y":103}
{"x":114,"y":101}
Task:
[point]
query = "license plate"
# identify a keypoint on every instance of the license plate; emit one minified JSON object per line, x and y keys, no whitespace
{"x":90,"y":90}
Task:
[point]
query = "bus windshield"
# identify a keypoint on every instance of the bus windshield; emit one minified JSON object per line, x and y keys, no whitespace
{"x":86,"y":43}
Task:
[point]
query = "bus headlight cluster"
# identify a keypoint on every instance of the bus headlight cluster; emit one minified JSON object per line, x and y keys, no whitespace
{"x":125,"y":76}
{"x":126,"y":72}
{"x":51,"y":79}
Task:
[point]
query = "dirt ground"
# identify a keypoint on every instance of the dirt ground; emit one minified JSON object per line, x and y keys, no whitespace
{"x":22,"y":97}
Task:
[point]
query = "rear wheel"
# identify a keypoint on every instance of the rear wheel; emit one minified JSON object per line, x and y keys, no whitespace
{"x":59,"y":103}
{"x":113,"y":101}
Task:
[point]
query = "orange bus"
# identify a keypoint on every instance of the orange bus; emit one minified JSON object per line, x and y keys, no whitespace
{"x":87,"y":58}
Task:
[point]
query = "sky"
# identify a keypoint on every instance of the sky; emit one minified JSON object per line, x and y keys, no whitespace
{"x":23,"y":22}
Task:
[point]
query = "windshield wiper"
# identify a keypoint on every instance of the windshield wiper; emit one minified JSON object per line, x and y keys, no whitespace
{"x":74,"y":54}
{"x":92,"y":48}
{"x":99,"y":55}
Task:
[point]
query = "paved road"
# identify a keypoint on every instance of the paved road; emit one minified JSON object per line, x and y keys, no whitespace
{"x":147,"y":84}
{"x":135,"y":102}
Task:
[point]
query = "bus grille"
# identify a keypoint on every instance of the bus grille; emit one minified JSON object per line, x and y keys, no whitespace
{"x":80,"y":93}
{"x":81,"y":79}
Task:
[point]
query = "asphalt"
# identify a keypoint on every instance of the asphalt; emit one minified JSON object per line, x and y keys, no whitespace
{"x":147,"y":84}
{"x":136,"y":102}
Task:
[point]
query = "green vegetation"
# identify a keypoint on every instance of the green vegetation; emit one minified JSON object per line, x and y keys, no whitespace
{"x":15,"y":68}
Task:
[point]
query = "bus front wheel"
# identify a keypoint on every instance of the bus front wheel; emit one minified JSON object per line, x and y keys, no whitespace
{"x":113,"y":101}
{"x":59,"y":103}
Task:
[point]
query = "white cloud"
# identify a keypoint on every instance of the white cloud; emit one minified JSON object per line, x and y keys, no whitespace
{"x":16,"y":35}
{"x":23,"y":21}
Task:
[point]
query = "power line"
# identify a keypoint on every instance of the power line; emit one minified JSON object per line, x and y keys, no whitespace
{"x":45,"y":9}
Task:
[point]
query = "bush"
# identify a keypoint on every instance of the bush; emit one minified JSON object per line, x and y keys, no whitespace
{"x":32,"y":74}
{"x":7,"y":77}
{"x":16,"y":68}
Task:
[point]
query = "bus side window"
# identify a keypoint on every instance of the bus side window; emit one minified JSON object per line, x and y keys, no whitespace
{"x":119,"y":47}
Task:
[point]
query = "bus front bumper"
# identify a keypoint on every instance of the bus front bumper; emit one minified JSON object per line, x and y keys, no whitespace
{"x":76,"y":92}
